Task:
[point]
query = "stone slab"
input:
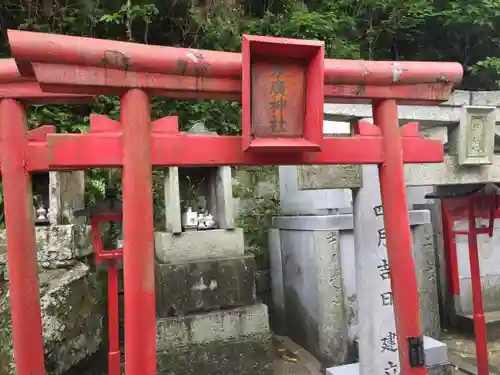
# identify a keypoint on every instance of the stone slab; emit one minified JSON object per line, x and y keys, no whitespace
{"x":425,"y":115}
{"x":248,"y":357}
{"x":424,"y":174}
{"x":436,"y":360}
{"x":237,"y":324}
{"x":192,"y":245}
{"x":203,"y":285}
{"x":450,"y":173}
{"x":312,"y":177}
{"x":57,"y":245}
{"x":353,"y":369}
{"x":318,"y":200}
{"x":315,"y":314}
{"x":424,"y":253}
{"x":66,"y":194}
{"x":485,"y":98}
{"x":72,"y":319}
{"x":335,"y":222}
{"x":278,"y":298}
{"x":304,"y":247}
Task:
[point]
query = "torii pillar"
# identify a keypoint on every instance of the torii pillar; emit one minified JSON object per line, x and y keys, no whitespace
{"x":15,"y":93}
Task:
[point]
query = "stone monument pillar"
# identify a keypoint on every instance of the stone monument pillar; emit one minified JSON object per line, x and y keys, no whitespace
{"x":378,"y":349}
{"x":377,"y":340}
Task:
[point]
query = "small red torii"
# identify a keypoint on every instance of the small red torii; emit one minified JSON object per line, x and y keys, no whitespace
{"x":59,"y":64}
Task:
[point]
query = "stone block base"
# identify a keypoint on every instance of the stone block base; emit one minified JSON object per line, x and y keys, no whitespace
{"x":72,"y":320}
{"x":353,"y":369}
{"x":229,"y":342}
{"x":246,"y":357}
{"x":193,"y":245}
{"x":199,"y":329}
{"x":204,"y":285}
{"x":56,"y":246}
{"x":436,"y":361}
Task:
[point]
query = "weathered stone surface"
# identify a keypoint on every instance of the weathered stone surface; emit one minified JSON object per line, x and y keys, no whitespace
{"x":249,"y":357}
{"x":316,"y":315}
{"x":67,"y":193}
{"x":198,"y":244}
{"x":450,"y":173}
{"x":424,"y":253}
{"x":57,"y":245}
{"x":353,"y":369}
{"x":72,"y":319}
{"x":234,"y":341}
{"x":328,"y":176}
{"x":186,"y":287}
{"x":199,"y":329}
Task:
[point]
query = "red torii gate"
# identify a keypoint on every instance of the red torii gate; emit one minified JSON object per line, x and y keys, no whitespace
{"x":73,"y":65}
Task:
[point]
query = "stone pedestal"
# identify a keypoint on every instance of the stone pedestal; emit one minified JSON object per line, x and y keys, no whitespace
{"x":235,"y":342}
{"x":316,"y":277}
{"x":71,"y":313}
{"x":309,"y":293}
{"x":208,"y":318}
{"x":314,"y":287}
{"x":71,"y":316}
{"x":436,"y":361}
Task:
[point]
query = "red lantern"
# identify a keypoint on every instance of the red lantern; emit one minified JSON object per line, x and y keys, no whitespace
{"x":108,"y":210}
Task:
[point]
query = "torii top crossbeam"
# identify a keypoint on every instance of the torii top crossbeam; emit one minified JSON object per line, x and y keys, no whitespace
{"x":15,"y":86}
{"x":190,"y":73}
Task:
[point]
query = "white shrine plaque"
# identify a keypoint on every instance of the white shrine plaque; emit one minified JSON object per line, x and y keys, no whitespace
{"x":476,"y":135}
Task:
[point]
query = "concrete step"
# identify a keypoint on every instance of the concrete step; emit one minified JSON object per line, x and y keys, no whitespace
{"x":185,"y":287}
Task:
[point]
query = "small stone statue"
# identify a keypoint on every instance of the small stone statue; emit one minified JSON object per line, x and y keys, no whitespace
{"x":206,"y":221}
{"x":40,"y":212}
{"x":190,"y":219}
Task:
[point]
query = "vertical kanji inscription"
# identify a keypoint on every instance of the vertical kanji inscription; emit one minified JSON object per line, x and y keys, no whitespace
{"x":278,"y":99}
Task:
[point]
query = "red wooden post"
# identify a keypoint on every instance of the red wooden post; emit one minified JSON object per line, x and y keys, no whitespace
{"x":106,"y":211}
{"x":138,"y":235}
{"x":477,"y":293}
{"x":450,"y":251}
{"x":399,"y":243}
{"x":21,"y":244}
{"x":114,"y":365}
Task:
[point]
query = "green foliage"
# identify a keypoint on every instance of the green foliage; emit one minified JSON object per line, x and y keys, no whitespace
{"x":257,"y":208}
{"x":456,"y":30}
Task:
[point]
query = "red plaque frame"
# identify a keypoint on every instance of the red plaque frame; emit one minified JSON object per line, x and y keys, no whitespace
{"x":282,"y":94}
